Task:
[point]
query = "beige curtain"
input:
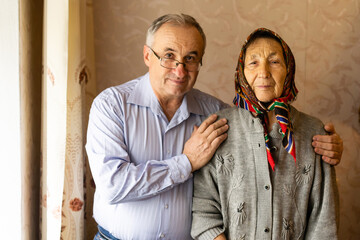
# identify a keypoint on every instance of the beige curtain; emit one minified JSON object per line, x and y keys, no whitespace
{"x":30,"y":46}
{"x":68,"y":88}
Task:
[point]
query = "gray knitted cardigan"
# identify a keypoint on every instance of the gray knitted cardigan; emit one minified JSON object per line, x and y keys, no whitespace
{"x":237,"y":192}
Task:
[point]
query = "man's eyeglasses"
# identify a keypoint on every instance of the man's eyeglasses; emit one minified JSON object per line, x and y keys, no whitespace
{"x":191,"y":65}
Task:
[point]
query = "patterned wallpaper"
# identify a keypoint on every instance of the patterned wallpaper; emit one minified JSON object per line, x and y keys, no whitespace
{"x":324,"y":36}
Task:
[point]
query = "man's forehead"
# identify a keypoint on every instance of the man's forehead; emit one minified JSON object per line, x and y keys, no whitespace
{"x":172,"y":36}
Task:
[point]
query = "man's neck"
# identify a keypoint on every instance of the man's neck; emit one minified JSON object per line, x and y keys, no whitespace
{"x":170,"y":106}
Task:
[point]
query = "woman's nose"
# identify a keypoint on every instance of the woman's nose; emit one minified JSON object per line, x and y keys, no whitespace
{"x":264,"y":70}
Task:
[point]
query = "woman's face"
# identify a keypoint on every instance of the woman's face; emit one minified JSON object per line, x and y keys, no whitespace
{"x":265,"y":68}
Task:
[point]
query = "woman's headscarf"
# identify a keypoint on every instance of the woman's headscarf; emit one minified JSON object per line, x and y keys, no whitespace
{"x":245,"y":97}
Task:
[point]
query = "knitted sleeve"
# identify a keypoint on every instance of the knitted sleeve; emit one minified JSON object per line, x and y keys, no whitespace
{"x":207,"y":220}
{"x":324,"y":204}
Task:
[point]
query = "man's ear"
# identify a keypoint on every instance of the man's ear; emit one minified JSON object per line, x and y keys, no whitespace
{"x":146,"y":54}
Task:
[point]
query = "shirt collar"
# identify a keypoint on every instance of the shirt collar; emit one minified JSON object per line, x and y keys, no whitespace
{"x":143,"y":95}
{"x":193,"y":105}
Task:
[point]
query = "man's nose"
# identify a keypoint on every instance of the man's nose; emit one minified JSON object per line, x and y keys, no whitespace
{"x":180,"y":70}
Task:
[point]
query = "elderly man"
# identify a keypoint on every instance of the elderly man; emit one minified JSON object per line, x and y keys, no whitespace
{"x":147,"y":136}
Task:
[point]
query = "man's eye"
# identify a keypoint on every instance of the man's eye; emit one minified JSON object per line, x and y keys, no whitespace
{"x":190,"y":59}
{"x":169,"y":56}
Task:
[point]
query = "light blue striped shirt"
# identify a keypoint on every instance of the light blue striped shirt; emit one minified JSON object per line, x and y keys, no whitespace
{"x":143,"y":181}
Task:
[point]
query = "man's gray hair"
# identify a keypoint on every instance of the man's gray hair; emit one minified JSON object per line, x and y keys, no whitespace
{"x":175,"y":19}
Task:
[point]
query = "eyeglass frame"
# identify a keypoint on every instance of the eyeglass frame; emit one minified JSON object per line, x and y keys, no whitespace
{"x":174,"y":60}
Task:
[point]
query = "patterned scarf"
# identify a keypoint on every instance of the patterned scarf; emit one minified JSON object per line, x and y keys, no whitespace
{"x":245,"y":97}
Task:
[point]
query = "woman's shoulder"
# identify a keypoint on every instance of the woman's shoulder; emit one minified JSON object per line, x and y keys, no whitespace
{"x":305,"y":122}
{"x":233,"y":113}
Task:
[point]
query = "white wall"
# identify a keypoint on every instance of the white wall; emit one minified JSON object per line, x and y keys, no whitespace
{"x":10,"y":182}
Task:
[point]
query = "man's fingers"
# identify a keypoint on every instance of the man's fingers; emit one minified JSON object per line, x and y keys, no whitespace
{"x":218,"y":132}
{"x":327,"y":153}
{"x":207,"y":122}
{"x":217,"y":141}
{"x":331,"y":161}
{"x":334,"y":138}
{"x":216,"y":127}
{"x":210,"y":124}
{"x":204,"y":141}
{"x":195,"y":128}
{"x":330,"y":157}
{"x":330,"y":147}
{"x":327,"y":146}
{"x":329,"y":127}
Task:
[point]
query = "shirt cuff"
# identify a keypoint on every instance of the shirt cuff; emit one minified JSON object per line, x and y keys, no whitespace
{"x":180,"y":168}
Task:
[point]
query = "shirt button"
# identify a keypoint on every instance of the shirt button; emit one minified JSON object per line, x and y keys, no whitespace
{"x":266,"y":230}
{"x":162,"y":235}
{"x":166,"y":206}
{"x":168,"y":151}
{"x":182,"y":176}
{"x":267,"y":187}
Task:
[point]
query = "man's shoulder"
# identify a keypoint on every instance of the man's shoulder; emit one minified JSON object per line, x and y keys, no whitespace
{"x":119,"y":92}
{"x":206,"y":99}
{"x":203,"y":96}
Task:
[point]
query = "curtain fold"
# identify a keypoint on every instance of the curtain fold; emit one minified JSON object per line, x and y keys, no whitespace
{"x":53,"y":144}
{"x":68,"y":90}
{"x":31,"y":18}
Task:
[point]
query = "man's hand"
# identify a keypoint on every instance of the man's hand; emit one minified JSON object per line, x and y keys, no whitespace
{"x":220,"y":237}
{"x":204,"y":141}
{"x":329,"y":146}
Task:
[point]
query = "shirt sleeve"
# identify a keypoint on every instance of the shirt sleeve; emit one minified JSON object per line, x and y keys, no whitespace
{"x":207,"y":221}
{"x":118,"y":179}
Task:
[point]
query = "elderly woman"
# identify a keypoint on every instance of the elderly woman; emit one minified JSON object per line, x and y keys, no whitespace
{"x":265,"y":181}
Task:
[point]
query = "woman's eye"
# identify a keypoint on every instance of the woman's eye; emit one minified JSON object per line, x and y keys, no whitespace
{"x":274,"y":61}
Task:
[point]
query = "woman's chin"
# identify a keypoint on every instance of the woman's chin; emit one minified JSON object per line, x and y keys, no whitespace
{"x":266,"y":99}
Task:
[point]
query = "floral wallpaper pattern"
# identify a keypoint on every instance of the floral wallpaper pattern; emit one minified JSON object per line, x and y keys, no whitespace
{"x":324,"y":36}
